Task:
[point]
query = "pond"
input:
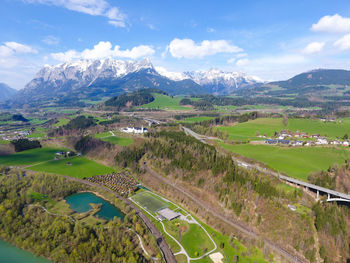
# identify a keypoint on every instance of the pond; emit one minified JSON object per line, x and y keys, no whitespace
{"x":80,"y":202}
{"x":12,"y":254}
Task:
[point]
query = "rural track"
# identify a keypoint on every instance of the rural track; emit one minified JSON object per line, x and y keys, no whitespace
{"x":168,"y":255}
{"x":244,"y":229}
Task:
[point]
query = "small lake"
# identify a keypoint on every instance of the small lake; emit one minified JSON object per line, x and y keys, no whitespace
{"x":12,"y":254}
{"x":80,"y":202}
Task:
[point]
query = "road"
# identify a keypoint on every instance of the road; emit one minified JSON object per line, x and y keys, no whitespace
{"x":218,"y":214}
{"x":168,"y":255}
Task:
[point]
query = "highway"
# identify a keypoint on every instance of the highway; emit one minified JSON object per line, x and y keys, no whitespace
{"x":339,"y":196}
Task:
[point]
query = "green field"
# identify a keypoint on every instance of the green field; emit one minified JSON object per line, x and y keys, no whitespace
{"x":296,"y":162}
{"x":30,"y":157}
{"x":165,"y":102}
{"x":61,"y":122}
{"x":268,"y":126}
{"x":149,"y":201}
{"x":197,"y":119}
{"x":107,"y":137}
{"x":79,"y":167}
{"x":4,"y":142}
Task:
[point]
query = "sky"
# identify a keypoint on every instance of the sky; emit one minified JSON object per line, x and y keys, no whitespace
{"x":270,"y":39}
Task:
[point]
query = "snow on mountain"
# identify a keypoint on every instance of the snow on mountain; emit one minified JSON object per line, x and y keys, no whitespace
{"x":219,"y":81}
{"x":86,"y":72}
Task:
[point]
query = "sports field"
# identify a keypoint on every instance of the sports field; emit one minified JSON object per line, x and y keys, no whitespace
{"x":165,"y":102}
{"x":297,"y":162}
{"x":268,"y":126}
{"x":30,"y":157}
{"x":79,"y":167}
{"x":149,"y":201}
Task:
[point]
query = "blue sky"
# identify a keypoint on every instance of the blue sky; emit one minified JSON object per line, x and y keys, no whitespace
{"x":270,"y":39}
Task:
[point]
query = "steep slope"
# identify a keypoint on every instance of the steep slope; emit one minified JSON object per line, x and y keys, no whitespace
{"x":6,"y":92}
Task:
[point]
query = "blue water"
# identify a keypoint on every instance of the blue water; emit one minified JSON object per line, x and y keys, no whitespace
{"x":12,"y":254}
{"x":80,"y":203}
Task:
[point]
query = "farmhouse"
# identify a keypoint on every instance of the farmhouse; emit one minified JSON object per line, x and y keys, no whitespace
{"x":169,"y":214}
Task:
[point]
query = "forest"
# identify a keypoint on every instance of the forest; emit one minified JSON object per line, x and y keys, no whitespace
{"x":58,"y":238}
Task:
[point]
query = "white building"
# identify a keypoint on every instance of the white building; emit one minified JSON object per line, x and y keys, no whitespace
{"x":136,"y":130}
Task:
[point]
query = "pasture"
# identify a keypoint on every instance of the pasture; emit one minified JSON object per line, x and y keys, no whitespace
{"x":30,"y":157}
{"x":165,"y":102}
{"x":197,"y":119}
{"x":268,"y":126}
{"x":118,"y":140}
{"x":297,"y":162}
{"x":78,"y":167}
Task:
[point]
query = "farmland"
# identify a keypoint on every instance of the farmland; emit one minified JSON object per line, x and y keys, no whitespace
{"x":79,"y":167}
{"x":268,"y":126}
{"x":296,"y":162}
{"x":165,"y":102}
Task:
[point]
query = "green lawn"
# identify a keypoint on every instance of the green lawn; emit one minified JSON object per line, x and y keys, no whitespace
{"x":165,"y":102}
{"x":107,"y":137}
{"x":30,"y":157}
{"x":80,"y":167}
{"x":4,"y":142}
{"x":250,"y":130}
{"x":196,"y":249}
{"x":296,"y":162}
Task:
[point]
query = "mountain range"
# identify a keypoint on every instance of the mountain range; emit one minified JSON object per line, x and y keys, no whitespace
{"x":96,"y":79}
{"x":6,"y":92}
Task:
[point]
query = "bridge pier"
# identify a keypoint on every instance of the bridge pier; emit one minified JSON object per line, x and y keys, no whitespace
{"x":328,"y":196}
{"x":317,"y":195}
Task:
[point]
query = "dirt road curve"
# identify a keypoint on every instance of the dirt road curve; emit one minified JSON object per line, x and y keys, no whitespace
{"x":285,"y":254}
{"x":168,"y":255}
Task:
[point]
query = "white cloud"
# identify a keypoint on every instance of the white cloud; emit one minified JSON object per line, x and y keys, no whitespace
{"x":313,"y":47}
{"x":11,"y":48}
{"x":187,"y":48}
{"x":231,"y":60}
{"x":104,"y":50}
{"x":242,"y":62}
{"x":242,"y":55}
{"x":90,"y":7}
{"x":332,"y":24}
{"x":51,"y":40}
{"x":210,"y":30}
{"x":343,"y":43}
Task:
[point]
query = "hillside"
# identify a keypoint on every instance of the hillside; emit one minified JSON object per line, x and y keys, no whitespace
{"x":6,"y":92}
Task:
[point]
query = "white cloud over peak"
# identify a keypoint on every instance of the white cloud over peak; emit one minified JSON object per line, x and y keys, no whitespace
{"x":332,"y":24}
{"x":187,"y":48}
{"x":343,"y":43}
{"x":242,"y":62}
{"x":104,"y":50}
{"x":90,"y":7}
{"x":313,"y":47}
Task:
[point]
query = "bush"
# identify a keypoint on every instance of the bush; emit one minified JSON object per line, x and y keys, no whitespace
{"x":25,"y":144}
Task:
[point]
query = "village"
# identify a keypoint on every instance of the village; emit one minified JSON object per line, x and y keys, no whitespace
{"x":286,"y":137}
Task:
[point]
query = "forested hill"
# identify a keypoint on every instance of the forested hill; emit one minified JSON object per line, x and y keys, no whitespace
{"x":136,"y":98}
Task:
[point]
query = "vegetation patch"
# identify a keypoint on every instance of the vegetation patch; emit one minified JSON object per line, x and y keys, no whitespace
{"x":296,"y":162}
{"x":79,"y":167}
{"x":164,"y":102}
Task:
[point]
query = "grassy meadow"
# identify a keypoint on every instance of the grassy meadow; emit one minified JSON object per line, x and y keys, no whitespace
{"x":108,"y":137}
{"x":297,"y":162}
{"x":79,"y":167}
{"x":30,"y":157}
{"x":251,"y":129}
{"x":165,"y":102}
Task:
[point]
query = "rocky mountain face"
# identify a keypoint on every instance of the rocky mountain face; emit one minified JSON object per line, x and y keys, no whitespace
{"x":94,"y":79}
{"x":6,"y":92}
